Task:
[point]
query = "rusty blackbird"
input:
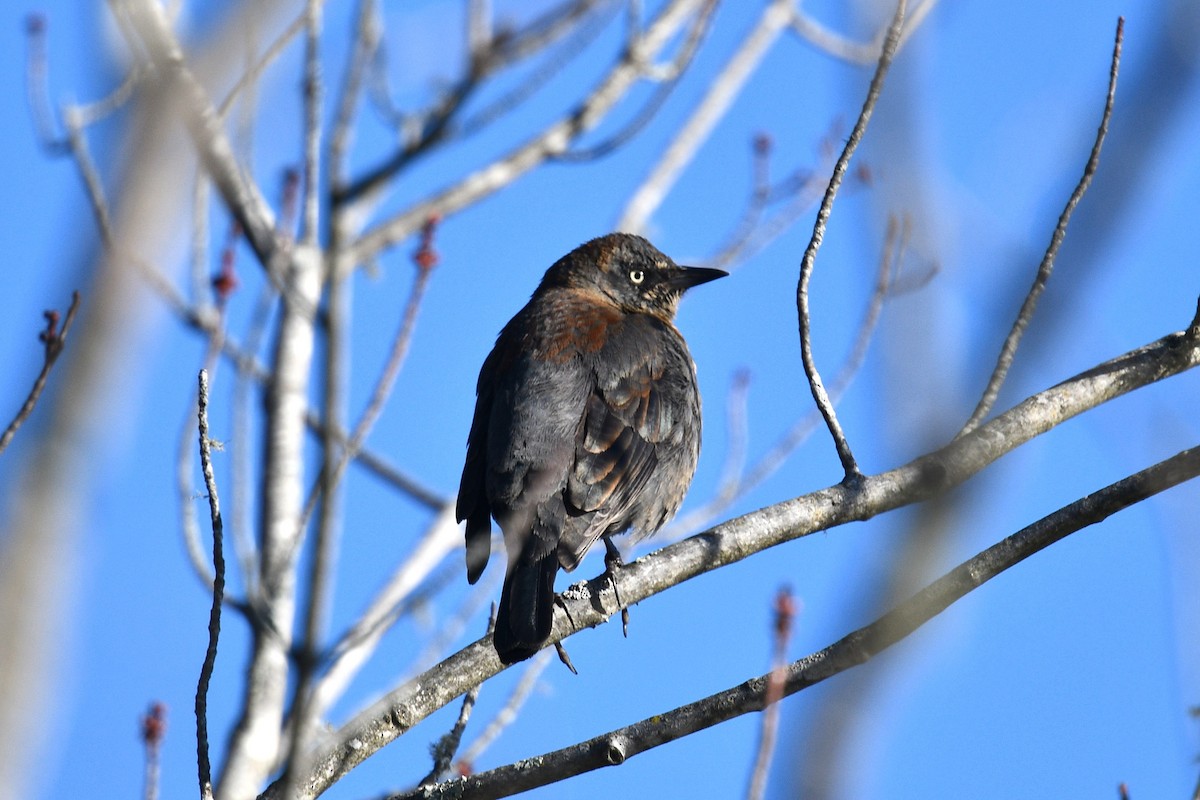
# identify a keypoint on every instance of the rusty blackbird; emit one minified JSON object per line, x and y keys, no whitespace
{"x":587,"y":423}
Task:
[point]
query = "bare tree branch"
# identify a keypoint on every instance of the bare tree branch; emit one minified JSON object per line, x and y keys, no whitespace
{"x":434,"y":126}
{"x":507,"y":714}
{"x":251,"y":75}
{"x":53,"y":341}
{"x":722,"y":91}
{"x":553,"y":140}
{"x":154,"y":730}
{"x":618,"y":746}
{"x":669,"y":80}
{"x":838,"y":46}
{"x":366,"y":41}
{"x":737,"y":482}
{"x":785,"y":614}
{"x":820,"y":396}
{"x":214,"y":615}
{"x":241,"y":195}
{"x":1009,"y":350}
{"x":425,"y":258}
{"x":352,"y":649}
{"x":444,"y":749}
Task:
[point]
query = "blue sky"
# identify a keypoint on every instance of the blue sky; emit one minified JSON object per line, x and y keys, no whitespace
{"x":1063,"y":677}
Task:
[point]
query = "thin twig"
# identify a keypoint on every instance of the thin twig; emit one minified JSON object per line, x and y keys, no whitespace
{"x":803,"y":188}
{"x":214,"y":614}
{"x":1009,"y":350}
{"x":550,"y":67}
{"x":737,"y":484}
{"x":252,"y":74}
{"x":53,"y":341}
{"x":37,"y":90}
{"x":784,"y":616}
{"x":435,"y":126}
{"x":77,"y":145}
{"x":820,"y":396}
{"x":674,"y":71}
{"x":506,"y":716}
{"x":756,"y":204}
{"x":426,"y":258}
{"x":313,"y":96}
{"x":722,"y":91}
{"x":445,"y":748}
{"x":154,"y":730}
{"x":618,"y":746}
{"x":366,"y":40}
{"x":95,"y":111}
{"x":354,"y":647}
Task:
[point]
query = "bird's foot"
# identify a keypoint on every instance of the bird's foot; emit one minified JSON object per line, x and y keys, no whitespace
{"x":564,"y":658}
{"x":612,"y":563}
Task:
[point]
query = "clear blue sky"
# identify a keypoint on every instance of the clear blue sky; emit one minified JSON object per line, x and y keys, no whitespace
{"x":1070,"y":673}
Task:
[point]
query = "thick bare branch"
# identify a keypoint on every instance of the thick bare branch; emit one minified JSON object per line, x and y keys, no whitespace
{"x":618,"y":746}
{"x":255,"y":744}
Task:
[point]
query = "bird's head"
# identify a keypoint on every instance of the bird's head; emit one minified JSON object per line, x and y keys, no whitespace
{"x":630,"y":272}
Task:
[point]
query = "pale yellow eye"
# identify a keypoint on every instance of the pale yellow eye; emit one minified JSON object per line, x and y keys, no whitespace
{"x":637,"y":276}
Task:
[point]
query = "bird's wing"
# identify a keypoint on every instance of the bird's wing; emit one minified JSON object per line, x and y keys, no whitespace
{"x":616,"y":452}
{"x":629,"y":426}
{"x":472,"y":504}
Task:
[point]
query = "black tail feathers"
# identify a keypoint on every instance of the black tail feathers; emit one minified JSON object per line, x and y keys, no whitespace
{"x":526,"y":611}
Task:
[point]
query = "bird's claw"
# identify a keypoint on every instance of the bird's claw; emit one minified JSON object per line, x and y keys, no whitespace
{"x":612,"y":563}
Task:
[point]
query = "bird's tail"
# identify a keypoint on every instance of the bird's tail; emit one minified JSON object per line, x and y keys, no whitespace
{"x":526,"y":610}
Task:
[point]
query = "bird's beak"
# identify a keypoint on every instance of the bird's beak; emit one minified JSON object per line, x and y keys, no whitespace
{"x":687,"y":277}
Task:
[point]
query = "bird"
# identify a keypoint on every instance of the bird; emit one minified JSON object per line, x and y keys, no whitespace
{"x":586,"y":425}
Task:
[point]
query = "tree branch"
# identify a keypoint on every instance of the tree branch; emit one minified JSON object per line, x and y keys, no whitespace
{"x":214,"y":615}
{"x":552,"y":141}
{"x":241,"y":195}
{"x":722,"y":91}
{"x":435,"y":124}
{"x":1009,"y":350}
{"x":54,"y":340}
{"x":820,"y":396}
{"x":616,"y":747}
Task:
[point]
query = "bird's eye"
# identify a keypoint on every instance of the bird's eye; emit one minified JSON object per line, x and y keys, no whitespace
{"x":637,"y":276}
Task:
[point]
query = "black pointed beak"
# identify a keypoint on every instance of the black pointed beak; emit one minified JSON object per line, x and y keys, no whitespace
{"x":687,"y":277}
